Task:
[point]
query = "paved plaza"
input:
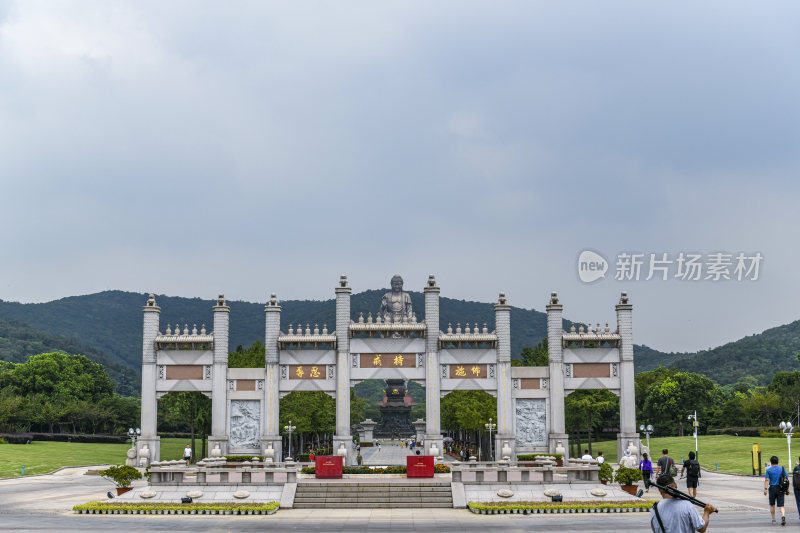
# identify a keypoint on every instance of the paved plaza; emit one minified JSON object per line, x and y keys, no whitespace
{"x":43,"y":503}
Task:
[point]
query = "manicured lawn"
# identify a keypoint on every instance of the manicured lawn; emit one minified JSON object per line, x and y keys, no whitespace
{"x":43,"y":457}
{"x":730,"y":452}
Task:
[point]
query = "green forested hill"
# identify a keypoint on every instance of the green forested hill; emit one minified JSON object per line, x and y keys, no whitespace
{"x":753,"y":359}
{"x":18,"y":341}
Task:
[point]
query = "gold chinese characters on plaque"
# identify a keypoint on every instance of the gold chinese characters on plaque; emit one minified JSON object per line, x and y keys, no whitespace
{"x":307,"y":372}
{"x":388,"y":360}
{"x":468,"y":371}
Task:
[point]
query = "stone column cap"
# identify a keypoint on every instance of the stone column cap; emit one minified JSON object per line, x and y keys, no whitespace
{"x":624,"y":304}
{"x":221,"y":306}
{"x":430,"y":286}
{"x":343,"y":287}
{"x":272,"y":305}
{"x":501,"y":304}
{"x":552,"y":304}
{"x":151,"y":306}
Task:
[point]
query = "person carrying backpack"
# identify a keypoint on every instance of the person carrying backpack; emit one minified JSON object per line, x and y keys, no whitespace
{"x":691,"y":468}
{"x":666,"y":465}
{"x":772,"y":485}
{"x":796,"y":484}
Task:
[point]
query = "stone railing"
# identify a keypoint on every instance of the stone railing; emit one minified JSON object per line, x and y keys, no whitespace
{"x":576,"y":473}
{"x":177,"y":472}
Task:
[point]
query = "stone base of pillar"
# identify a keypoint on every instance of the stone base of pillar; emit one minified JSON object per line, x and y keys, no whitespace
{"x":553,"y":441}
{"x":508,"y":441}
{"x":622,"y":444}
{"x":217,"y":440}
{"x":272,"y":443}
{"x":153,"y":444}
{"x":347,"y":441}
{"x":431,"y":440}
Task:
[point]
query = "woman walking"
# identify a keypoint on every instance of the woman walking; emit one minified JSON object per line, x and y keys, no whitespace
{"x":647,"y":471}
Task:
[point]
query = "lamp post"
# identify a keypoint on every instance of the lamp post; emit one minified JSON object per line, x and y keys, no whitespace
{"x":290,"y":428}
{"x":695,"y":425}
{"x":133,"y":434}
{"x":490,"y":427}
{"x":788,"y":430}
{"x":647,"y":430}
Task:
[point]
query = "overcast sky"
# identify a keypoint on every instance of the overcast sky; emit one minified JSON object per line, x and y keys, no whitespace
{"x":245,"y":148}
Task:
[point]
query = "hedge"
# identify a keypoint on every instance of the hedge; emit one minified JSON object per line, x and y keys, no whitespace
{"x":532,"y":456}
{"x":563,"y":507}
{"x":437,"y":469}
{"x":176,"y":508}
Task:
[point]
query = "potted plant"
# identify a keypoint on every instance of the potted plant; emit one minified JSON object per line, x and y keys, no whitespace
{"x":122,"y":475}
{"x":627,"y":478}
{"x":606,"y":473}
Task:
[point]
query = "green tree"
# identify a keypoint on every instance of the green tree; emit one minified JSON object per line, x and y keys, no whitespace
{"x":193,"y":410}
{"x":536,"y":356}
{"x":468,"y":411}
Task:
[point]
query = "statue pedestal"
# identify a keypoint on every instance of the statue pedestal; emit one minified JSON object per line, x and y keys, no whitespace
{"x":350,"y":454}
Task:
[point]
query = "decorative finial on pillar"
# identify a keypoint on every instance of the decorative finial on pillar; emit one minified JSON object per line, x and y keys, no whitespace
{"x":431,"y":281}
{"x":623,"y":298}
{"x":203,"y":329}
{"x":554,"y":298}
{"x":273,"y":299}
{"x":502,"y":298}
{"x":343,"y":281}
{"x":151,"y":301}
{"x":221,"y":300}
{"x":194,"y":329}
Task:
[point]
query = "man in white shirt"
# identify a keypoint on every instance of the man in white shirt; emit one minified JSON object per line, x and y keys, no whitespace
{"x":587,"y":456}
{"x":677,"y":516}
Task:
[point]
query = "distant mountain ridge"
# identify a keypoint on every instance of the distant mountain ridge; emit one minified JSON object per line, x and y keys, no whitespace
{"x":110,"y":324}
{"x":18,"y":341}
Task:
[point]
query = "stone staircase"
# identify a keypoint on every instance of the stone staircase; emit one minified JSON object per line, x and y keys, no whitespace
{"x":354,"y":495}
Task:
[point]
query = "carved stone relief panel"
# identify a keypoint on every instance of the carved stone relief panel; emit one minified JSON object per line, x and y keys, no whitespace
{"x":245,"y":416}
{"x":531,"y":422}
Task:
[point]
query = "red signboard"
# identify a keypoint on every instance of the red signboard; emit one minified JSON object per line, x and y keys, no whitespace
{"x":419,"y":466}
{"x":328,"y":466}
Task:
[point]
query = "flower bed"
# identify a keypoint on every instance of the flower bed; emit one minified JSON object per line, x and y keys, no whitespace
{"x":563,"y":507}
{"x":176,"y":508}
{"x":437,"y":469}
{"x":242,"y":458}
{"x":533,"y":456}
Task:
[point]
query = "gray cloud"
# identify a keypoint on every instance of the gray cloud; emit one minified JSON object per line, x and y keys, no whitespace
{"x":189,"y":148}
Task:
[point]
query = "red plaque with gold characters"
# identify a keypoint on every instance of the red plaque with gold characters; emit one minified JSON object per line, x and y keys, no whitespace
{"x":328,"y":466}
{"x":307,"y":372}
{"x":388,"y":360}
{"x":468,"y":371}
{"x":419,"y":466}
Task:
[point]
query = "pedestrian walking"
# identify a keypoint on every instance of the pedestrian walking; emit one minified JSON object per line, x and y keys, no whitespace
{"x":647,"y":471}
{"x":772,"y":481}
{"x":672,"y":515}
{"x":187,"y":454}
{"x":796,"y":484}
{"x":461,"y":454}
{"x":666,"y":465}
{"x":691,"y":468}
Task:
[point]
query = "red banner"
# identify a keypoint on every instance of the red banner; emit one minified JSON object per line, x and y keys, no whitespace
{"x":419,"y":466}
{"x":328,"y":466}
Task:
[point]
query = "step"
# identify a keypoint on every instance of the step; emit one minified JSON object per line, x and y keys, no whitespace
{"x":378,"y":498}
{"x":384,"y":505}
